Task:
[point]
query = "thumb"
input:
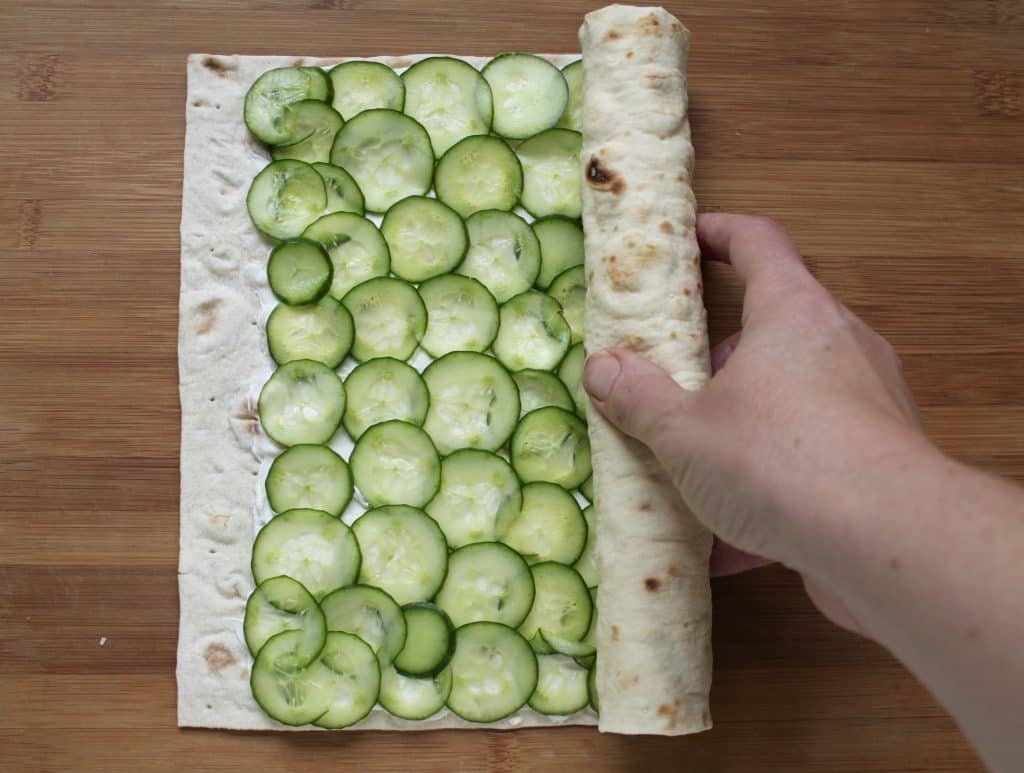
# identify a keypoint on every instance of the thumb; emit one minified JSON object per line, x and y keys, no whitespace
{"x":643,"y":401}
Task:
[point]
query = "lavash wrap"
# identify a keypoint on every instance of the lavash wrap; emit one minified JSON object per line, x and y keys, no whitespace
{"x":644,"y":294}
{"x":223,"y":362}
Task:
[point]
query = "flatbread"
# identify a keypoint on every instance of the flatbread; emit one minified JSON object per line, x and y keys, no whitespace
{"x":644,"y":294}
{"x":223,"y":362}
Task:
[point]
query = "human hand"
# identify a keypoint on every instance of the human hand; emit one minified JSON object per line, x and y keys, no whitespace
{"x":800,"y":408}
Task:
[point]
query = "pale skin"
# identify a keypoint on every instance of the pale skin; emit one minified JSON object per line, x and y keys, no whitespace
{"x":806,"y":448}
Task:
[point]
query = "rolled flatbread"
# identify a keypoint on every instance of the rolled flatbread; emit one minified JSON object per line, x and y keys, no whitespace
{"x":644,"y":294}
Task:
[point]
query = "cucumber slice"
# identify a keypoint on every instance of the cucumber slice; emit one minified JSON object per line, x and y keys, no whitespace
{"x":461,"y":315}
{"x":561,"y":247}
{"x":587,"y":488}
{"x":539,"y":389}
{"x":369,"y":613}
{"x":586,"y":564}
{"x":551,"y":173}
{"x":548,"y":527}
{"x":425,"y":237}
{"x":551,"y":444}
{"x":477,"y":489}
{"x":571,"y":374}
{"x":395,"y":463}
{"x":450,"y":98}
{"x":529,"y":93}
{"x":474,"y":402}
{"x":310,"y":546}
{"x":299,"y":271}
{"x":595,"y":703}
{"x":503,"y":254}
{"x":316,"y":123}
{"x":285,"y":197}
{"x":286,"y":685}
{"x":360,"y":86}
{"x":479,"y":173}
{"x":486,"y":581}
{"x":343,"y":194}
{"x":309,"y":476}
{"x":273,"y":91}
{"x":570,"y":289}
{"x":390,"y":318}
{"x":413,"y":698}
{"x":351,"y":676}
{"x":388,"y":154}
{"x":532,"y":333}
{"x":430,"y":643}
{"x":561,"y":686}
{"x":282,"y":604}
{"x":494,"y":672}
{"x":384,"y":389}
{"x":356,"y":248}
{"x":572,"y":118}
{"x":405,"y":552}
{"x":575,"y":649}
{"x":562,"y":607}
{"x":302,"y":403}
{"x":590,"y":640}
{"x":321,"y":331}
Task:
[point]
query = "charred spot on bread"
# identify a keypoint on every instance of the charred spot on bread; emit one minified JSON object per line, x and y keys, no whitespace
{"x":602,"y":178}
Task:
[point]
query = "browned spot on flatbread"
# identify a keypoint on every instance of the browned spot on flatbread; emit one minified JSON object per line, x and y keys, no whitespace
{"x":628,"y":681}
{"x":300,"y":62}
{"x":219,"y":521}
{"x":670,"y":712}
{"x":645,"y":507}
{"x":602,"y":178}
{"x":248,"y":414}
{"x":652,"y":584}
{"x":673,"y":335}
{"x":611,"y":35}
{"x":686,"y":292}
{"x":615,"y":632}
{"x":649,"y":24}
{"x":218,"y":657}
{"x":638,"y":344}
{"x":629,"y":54}
{"x":398,"y":64}
{"x":206,"y":316}
{"x":673,"y":571}
{"x":666,"y":227}
{"x":215,"y":65}
{"x":680,"y":178}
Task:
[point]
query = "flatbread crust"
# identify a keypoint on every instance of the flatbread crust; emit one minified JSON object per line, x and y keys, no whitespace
{"x":644,"y":294}
{"x":223,"y":361}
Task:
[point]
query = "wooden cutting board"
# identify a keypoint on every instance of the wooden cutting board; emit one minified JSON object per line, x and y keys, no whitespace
{"x":886,"y":135}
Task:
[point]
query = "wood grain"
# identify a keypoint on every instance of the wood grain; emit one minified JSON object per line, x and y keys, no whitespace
{"x":887,"y":134}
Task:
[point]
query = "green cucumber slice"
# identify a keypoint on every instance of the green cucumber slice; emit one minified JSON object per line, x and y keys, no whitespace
{"x":570,"y":289}
{"x":503,"y":254}
{"x":539,"y":389}
{"x":309,"y":476}
{"x":587,"y":489}
{"x":411,"y":697}
{"x":395,"y":463}
{"x":551,"y":444}
{"x":595,"y":703}
{"x":561,"y":686}
{"x":310,"y":546}
{"x":369,"y":613}
{"x":529,"y":93}
{"x":388,"y":154}
{"x":350,"y":674}
{"x":494,"y":672}
{"x":426,"y":238}
{"x":479,"y":173}
{"x":477,"y":489}
{"x":486,"y":581}
{"x":572,"y":118}
{"x":285,"y":684}
{"x":404,"y":552}
{"x":561,"y":247}
{"x":360,"y":86}
{"x":462,"y":315}
{"x":562,"y":607}
{"x":551,"y":173}
{"x":321,"y":331}
{"x":548,"y":527}
{"x":275,"y":90}
{"x":430,"y":642}
{"x":343,"y":194}
{"x":282,"y":604}
{"x":316,"y":123}
{"x":586,"y":564}
{"x":356,"y":248}
{"x":390,"y":318}
{"x":590,"y":640}
{"x":571,"y":374}
{"x":384,"y":389}
{"x":302,"y":402}
{"x":575,"y":649}
{"x":532,"y":333}
{"x":285,"y":197}
{"x":450,"y":98}
{"x":299,"y":271}
{"x":474,"y":402}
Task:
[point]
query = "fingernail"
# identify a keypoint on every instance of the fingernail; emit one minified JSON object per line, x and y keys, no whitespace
{"x":600,"y":375}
